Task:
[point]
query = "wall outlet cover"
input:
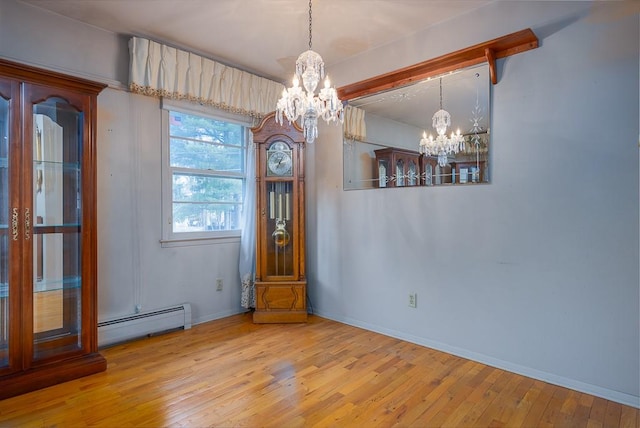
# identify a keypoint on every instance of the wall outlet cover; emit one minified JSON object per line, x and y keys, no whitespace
{"x":413,"y":300}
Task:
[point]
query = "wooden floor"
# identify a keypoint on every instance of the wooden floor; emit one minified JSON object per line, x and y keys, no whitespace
{"x":233,"y":373}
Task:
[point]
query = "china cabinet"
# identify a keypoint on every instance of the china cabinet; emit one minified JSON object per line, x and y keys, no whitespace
{"x":397,"y":167}
{"x":469,"y":171}
{"x":433,"y":173}
{"x":48,"y":311}
{"x":430,"y":169}
{"x":280,"y":239}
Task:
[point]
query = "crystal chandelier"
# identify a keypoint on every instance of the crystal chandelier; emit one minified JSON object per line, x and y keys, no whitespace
{"x":296,"y":102}
{"x":441,"y":146}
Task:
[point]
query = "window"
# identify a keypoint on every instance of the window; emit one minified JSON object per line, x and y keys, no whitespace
{"x":205,"y":179}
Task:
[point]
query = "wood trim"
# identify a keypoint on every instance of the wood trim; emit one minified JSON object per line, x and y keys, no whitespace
{"x":45,"y":77}
{"x":269,"y":127}
{"x":282,"y":317}
{"x":491,"y":59}
{"x":48,"y":375}
{"x":489,"y":51}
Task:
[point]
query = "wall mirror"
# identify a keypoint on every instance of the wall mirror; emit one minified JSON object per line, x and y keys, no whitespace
{"x":396,"y":120}
{"x":390,"y":138}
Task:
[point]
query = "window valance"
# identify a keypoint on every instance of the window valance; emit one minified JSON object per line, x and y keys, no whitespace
{"x":354,"y":124}
{"x":164,"y":71}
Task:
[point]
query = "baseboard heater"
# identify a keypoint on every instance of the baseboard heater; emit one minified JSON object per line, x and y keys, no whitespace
{"x":144,"y":324}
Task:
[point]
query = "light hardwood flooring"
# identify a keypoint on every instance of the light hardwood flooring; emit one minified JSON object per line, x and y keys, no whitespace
{"x":233,"y":373}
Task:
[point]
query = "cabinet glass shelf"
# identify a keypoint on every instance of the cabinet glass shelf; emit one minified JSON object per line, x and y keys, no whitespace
{"x":56,"y":228}
{"x":55,"y":164}
{"x":57,"y":284}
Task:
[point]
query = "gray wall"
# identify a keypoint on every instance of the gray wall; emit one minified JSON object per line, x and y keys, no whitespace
{"x":133,"y":268}
{"x":536,"y":273}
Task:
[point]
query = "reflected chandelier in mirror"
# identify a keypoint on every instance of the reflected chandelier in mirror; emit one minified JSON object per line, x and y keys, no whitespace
{"x":396,"y":124}
{"x":405,"y":142}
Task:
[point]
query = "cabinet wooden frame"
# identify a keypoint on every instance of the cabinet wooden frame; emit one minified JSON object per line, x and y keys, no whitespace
{"x":57,"y":358}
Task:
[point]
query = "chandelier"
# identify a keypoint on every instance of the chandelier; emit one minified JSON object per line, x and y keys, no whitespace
{"x":296,"y":102}
{"x":441,"y":146}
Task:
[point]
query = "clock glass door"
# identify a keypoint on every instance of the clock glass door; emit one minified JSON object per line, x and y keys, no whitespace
{"x":279,"y":228}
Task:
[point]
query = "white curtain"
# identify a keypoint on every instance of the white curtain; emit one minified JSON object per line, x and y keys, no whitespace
{"x":163,"y":71}
{"x":247,"y":260}
{"x":354,"y":124}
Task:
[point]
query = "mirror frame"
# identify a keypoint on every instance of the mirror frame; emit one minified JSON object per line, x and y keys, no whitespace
{"x":475,"y":55}
{"x":489,"y":51}
{"x":381,"y":149}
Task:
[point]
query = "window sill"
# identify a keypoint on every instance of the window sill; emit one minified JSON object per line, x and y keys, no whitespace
{"x":189,"y":242}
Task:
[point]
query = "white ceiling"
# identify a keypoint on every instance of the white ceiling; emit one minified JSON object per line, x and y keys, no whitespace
{"x":264,"y":36}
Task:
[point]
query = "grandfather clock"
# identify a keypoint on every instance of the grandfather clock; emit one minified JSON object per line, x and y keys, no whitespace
{"x":281,"y":285}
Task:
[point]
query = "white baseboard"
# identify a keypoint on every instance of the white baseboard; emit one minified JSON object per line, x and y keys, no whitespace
{"x":217,"y":316}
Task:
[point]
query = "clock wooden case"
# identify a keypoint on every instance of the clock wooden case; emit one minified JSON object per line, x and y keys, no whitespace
{"x":281,"y":285}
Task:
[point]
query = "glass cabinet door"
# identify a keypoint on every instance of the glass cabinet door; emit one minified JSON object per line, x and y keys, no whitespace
{"x":400,"y":173}
{"x":56,"y":219}
{"x":413,"y":174}
{"x":382,"y":173}
{"x":8,"y":229}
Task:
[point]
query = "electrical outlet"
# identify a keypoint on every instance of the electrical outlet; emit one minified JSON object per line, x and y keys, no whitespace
{"x":413,"y":300}
{"x":219,"y":284}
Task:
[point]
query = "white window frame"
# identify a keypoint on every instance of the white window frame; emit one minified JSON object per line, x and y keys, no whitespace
{"x":169,"y":237}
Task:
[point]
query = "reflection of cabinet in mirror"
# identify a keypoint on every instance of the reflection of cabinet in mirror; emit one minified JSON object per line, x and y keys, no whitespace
{"x":394,"y":105}
{"x":469,"y":172}
{"x":432,"y":173}
{"x":397,"y":167}
{"x":48,"y":309}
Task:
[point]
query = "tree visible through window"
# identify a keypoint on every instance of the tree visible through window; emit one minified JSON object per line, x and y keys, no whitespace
{"x":207,"y":159}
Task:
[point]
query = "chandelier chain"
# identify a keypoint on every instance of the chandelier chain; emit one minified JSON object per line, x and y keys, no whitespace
{"x":302,"y":102}
{"x":441,"y":94}
{"x":309,"y":24}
